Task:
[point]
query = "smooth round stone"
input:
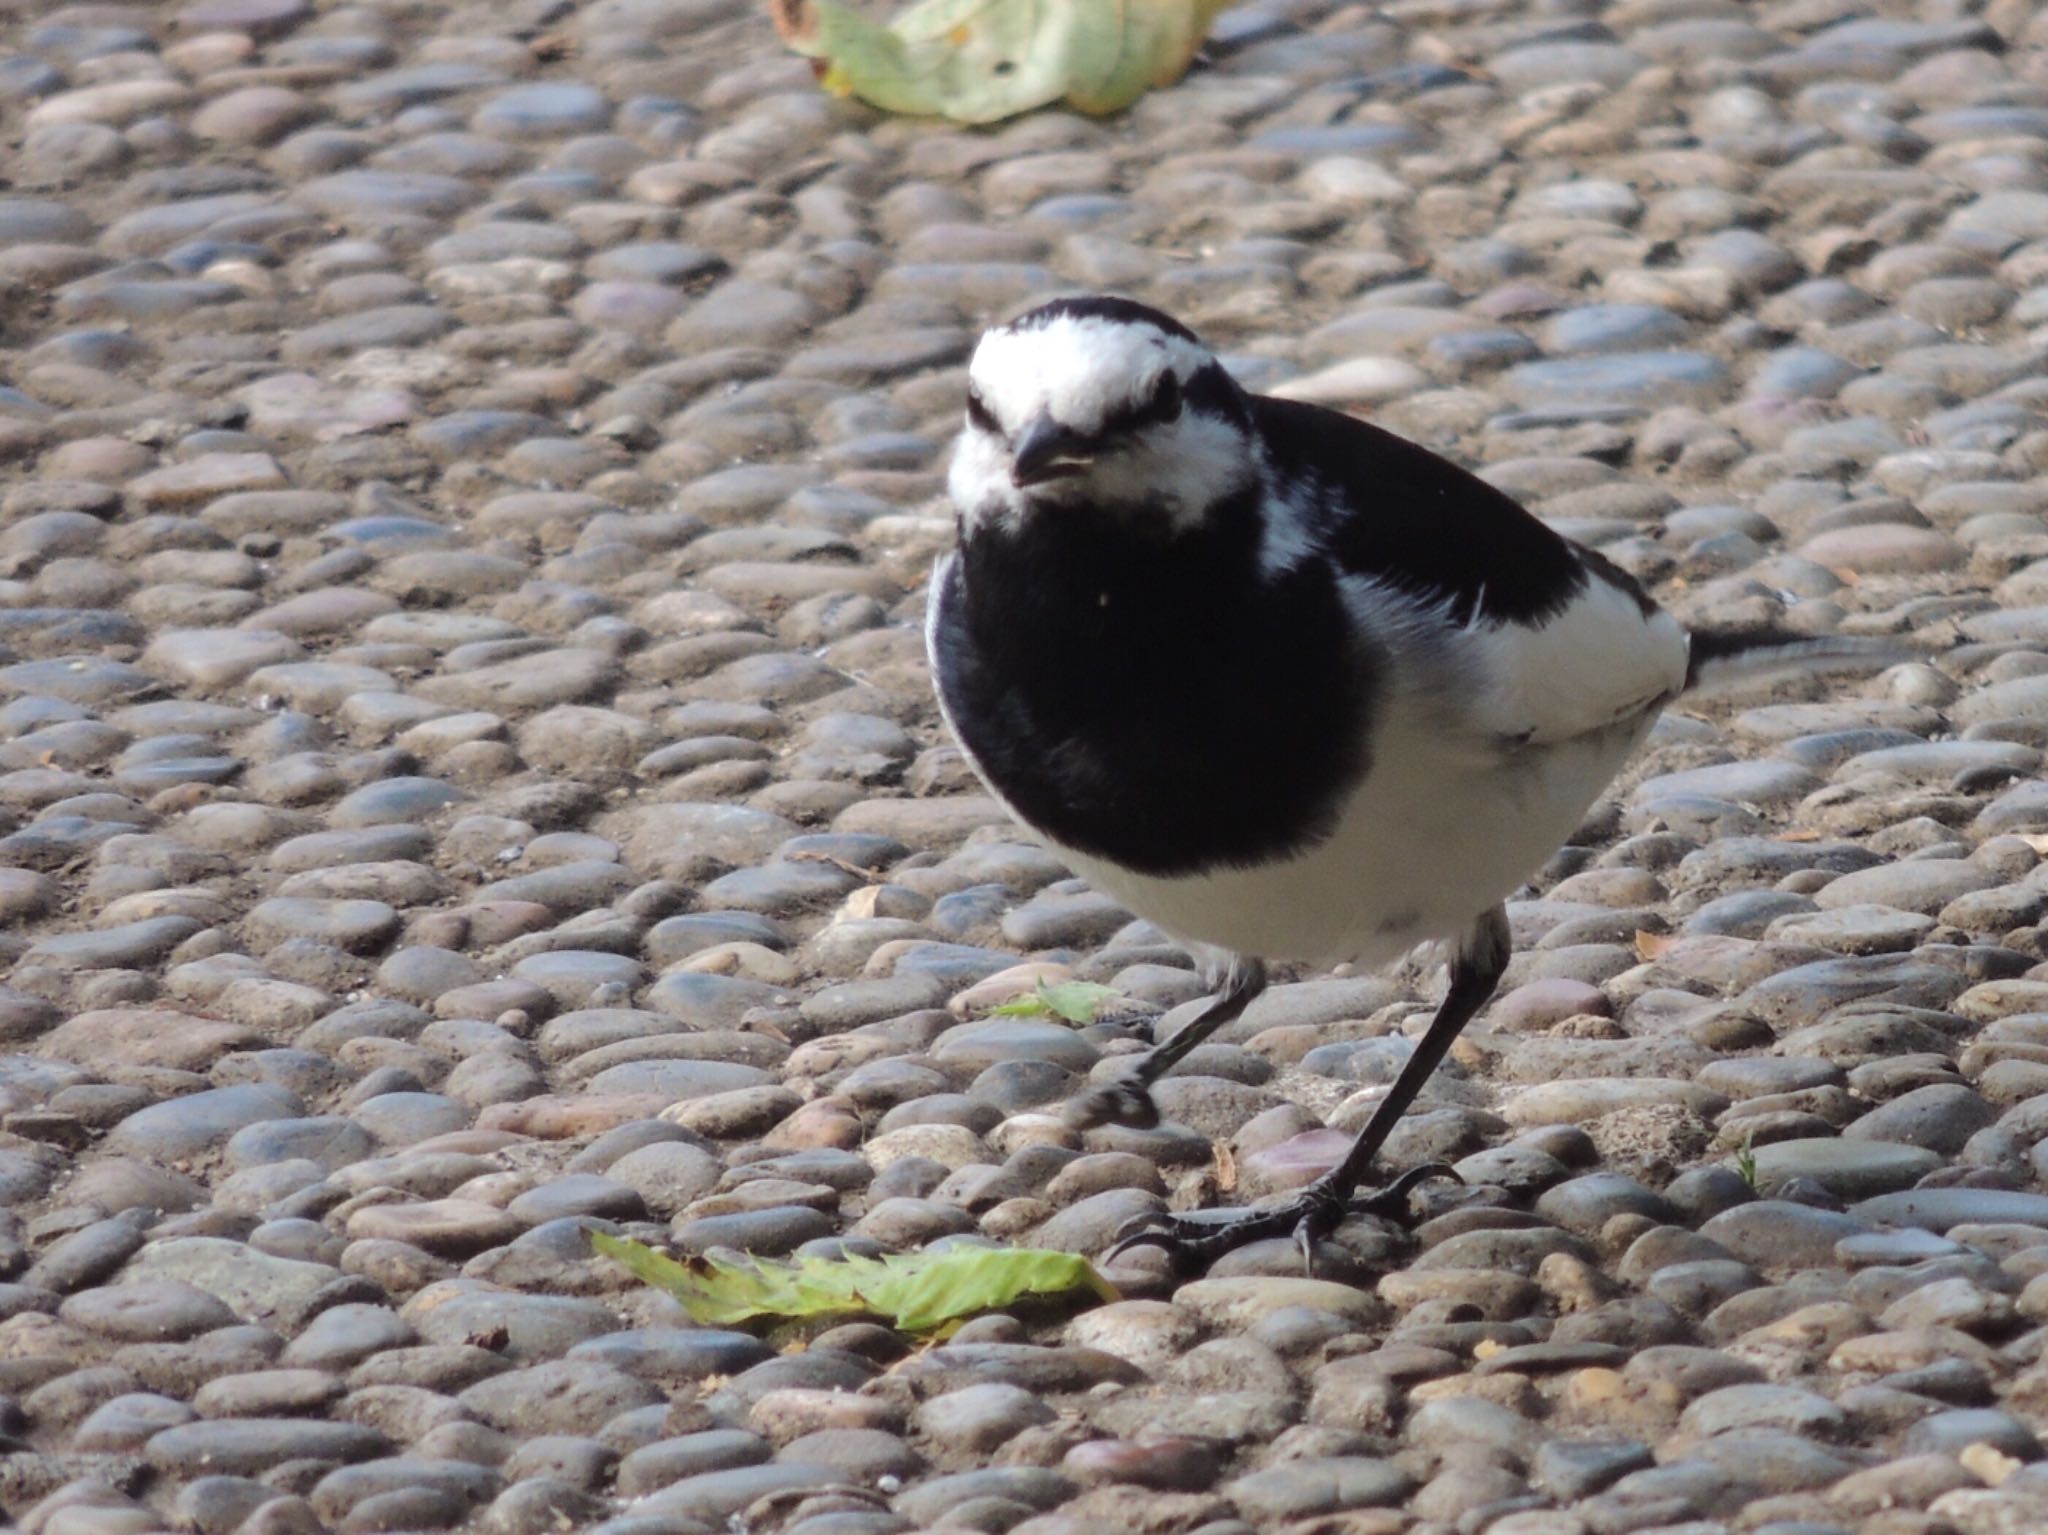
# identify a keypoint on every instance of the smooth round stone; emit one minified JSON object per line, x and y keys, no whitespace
{"x":548,"y":109}
{"x":395,"y":801}
{"x":87,"y":1256}
{"x":251,"y":1446}
{"x":453,"y":1228}
{"x":1852,"y":1169}
{"x":1773,"y":1234}
{"x":981,"y":1418}
{"x":678,"y":1080}
{"x":464,"y":433}
{"x":128,"y":946}
{"x":1536,"y":1005}
{"x":1309,"y":1487}
{"x":258,"y":18}
{"x":254,"y":116}
{"x":147,"y":1311}
{"x":1168,"y":1465}
{"x":128,"y":1422}
{"x":782,"y":888}
{"x":1939,"y":1209}
{"x":1922,"y":885}
{"x":676,"y":1356}
{"x":186,"y":1127}
{"x":1940,"y":1117}
{"x":342,"y":1336}
{"x":659,"y":261}
{"x":382,"y":193}
{"x":574,"y":977}
{"x":1620,"y":378}
{"x":357,"y":926}
{"x":405,"y":1118}
{"x":1947,"y":1433}
{"x":1855,"y":929}
{"x":577,"y":1194}
{"x":1765,"y":782}
{"x":1884,"y":549}
{"x":1755,"y":1076}
{"x":767,"y":1233}
{"x":667,"y":1176}
{"x":711,"y":1001}
{"x":1802,"y":372}
{"x":1587,"y":1203}
{"x":1613,"y":328}
{"x":327,"y":1140}
{"x":1789,"y":1409}
{"x":536,"y":1326}
{"x":1004,"y":1040}
{"x":423,"y":972}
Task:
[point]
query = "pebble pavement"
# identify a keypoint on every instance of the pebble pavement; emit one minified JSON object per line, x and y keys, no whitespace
{"x":468,"y":474}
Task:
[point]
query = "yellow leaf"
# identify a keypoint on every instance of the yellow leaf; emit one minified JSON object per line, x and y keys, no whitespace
{"x":1987,"y":1463}
{"x":919,"y":1292}
{"x":979,"y":61}
{"x":1651,"y":946}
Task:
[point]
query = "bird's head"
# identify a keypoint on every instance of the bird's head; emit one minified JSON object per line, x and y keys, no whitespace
{"x":1099,"y":403}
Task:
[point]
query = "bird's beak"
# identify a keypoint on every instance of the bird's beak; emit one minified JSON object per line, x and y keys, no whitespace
{"x":1044,"y":450}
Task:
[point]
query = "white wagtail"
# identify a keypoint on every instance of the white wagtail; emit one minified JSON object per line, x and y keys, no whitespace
{"x":1282,"y":682}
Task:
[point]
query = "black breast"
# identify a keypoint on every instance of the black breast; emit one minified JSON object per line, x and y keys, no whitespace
{"x":1150,"y":699}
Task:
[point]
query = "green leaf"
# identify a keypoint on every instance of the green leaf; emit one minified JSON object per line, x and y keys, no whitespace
{"x":918,"y":1292}
{"x":979,"y":61}
{"x":1076,"y":1001}
{"x":926,"y":1290}
{"x":1031,"y":1005}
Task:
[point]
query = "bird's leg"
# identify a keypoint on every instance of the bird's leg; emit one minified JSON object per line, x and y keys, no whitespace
{"x":1318,"y":1209}
{"x":1126,"y":1097}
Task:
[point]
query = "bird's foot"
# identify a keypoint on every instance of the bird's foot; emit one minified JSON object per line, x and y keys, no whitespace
{"x":1202,"y":1236}
{"x":1123,"y":1099}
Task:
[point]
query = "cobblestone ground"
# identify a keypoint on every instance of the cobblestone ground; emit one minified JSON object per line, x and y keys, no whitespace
{"x":467,"y":774}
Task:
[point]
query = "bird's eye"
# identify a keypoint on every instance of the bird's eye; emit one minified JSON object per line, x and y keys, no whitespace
{"x":1165,"y":402}
{"x":979,"y":415}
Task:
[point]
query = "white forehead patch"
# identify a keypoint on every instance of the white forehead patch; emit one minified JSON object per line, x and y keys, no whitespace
{"x":1079,"y":368}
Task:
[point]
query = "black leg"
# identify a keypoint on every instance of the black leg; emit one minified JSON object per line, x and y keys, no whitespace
{"x":1316,"y":1211}
{"x":1126,"y":1098}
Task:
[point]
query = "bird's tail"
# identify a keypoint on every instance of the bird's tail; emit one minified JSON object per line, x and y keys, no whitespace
{"x":1720,"y":656}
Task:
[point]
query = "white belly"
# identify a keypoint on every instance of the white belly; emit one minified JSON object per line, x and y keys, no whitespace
{"x":1426,"y":846}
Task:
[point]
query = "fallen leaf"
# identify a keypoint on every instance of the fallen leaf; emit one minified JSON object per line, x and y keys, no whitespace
{"x":918,"y":1292}
{"x":1989,"y":1464}
{"x":1076,"y":1001}
{"x":1226,"y":1168}
{"x":979,"y":61}
{"x":1651,"y":946}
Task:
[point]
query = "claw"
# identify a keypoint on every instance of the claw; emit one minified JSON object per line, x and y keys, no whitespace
{"x":1203,"y":1235}
{"x":1197,"y":1235}
{"x":1122,"y":1100}
{"x":1392,"y":1201}
{"x":1311,"y":1228}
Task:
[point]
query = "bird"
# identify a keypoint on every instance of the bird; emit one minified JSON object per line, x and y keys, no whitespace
{"x":1286,"y":684}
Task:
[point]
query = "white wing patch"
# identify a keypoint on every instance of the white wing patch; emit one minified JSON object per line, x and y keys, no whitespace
{"x":1599,"y":663}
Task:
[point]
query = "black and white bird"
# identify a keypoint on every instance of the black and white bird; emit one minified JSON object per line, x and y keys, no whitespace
{"x":1288,"y":685}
